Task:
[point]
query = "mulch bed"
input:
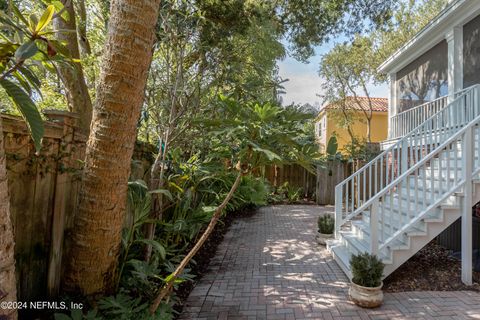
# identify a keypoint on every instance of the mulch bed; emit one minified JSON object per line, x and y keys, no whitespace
{"x":207,"y":252}
{"x":431,"y":269}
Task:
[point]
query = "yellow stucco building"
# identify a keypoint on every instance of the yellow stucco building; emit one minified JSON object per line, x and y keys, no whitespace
{"x":331,"y":121}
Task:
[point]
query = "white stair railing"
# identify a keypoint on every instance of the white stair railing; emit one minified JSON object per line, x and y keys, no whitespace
{"x":424,"y":186}
{"x":404,"y":122}
{"x":388,"y":173}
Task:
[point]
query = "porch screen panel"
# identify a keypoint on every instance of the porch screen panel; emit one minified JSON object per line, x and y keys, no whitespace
{"x":471,"y":52}
{"x":424,"y":79}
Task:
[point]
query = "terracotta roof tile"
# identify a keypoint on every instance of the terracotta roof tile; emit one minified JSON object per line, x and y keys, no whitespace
{"x":378,"y":104}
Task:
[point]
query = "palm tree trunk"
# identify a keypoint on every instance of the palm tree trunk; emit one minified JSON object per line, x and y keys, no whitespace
{"x":8,"y":289}
{"x":96,"y":235}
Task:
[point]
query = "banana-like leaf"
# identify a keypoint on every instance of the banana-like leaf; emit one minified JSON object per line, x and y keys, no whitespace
{"x":59,"y":7}
{"x":268,"y":153}
{"x":164,"y":192}
{"x":32,"y":78}
{"x":157,"y":246}
{"x":23,"y":82}
{"x":32,"y":22}
{"x":17,"y":13}
{"x":332,"y":146}
{"x":45,"y":19}
{"x":28,"y":110}
{"x":26,"y":50}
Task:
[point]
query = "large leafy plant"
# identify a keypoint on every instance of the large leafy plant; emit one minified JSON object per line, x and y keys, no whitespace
{"x":25,"y":45}
{"x":245,"y":136}
{"x":256,"y":134}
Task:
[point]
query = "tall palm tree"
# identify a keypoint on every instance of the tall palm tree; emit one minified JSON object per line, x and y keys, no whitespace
{"x":96,"y":235}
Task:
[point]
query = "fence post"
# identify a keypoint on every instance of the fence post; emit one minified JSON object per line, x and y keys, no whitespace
{"x":374,"y":228}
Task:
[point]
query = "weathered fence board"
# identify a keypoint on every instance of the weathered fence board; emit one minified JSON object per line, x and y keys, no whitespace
{"x":295,"y":175}
{"x":328,"y":177}
{"x":43,"y":193}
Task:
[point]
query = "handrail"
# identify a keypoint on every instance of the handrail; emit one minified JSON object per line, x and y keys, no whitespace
{"x":417,"y":115}
{"x":387,"y":162}
{"x":416,"y":167}
{"x":420,"y":106}
{"x":404,"y":122}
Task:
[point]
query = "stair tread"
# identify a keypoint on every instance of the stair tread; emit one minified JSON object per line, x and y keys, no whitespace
{"x":362,"y":245}
{"x":430,"y":187}
{"x":402,"y":203}
{"x":365,"y":227}
{"x":433,"y":216}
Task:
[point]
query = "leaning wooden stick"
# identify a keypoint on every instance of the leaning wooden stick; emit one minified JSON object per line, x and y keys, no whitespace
{"x":164,"y":291}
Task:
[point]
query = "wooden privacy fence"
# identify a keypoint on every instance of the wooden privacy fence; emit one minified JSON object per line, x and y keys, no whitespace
{"x":296,"y":176}
{"x":321,"y":186}
{"x":328,"y":177}
{"x":43,"y":193}
{"x":331,"y":174}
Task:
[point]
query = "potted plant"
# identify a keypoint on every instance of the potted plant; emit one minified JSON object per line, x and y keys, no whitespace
{"x":326,"y":226}
{"x":366,"y":286}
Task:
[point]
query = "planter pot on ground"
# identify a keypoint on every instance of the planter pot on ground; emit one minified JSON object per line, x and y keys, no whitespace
{"x":323,"y":237}
{"x":366,"y":297}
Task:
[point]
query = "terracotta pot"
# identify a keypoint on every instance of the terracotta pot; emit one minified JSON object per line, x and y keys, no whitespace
{"x":323,"y":237}
{"x":366,"y":297}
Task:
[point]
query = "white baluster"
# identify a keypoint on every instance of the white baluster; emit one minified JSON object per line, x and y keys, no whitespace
{"x":374,"y":228}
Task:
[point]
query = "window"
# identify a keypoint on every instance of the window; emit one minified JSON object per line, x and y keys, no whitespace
{"x":424,"y":79}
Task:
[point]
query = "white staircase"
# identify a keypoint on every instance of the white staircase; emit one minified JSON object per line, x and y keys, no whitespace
{"x":411,"y":192}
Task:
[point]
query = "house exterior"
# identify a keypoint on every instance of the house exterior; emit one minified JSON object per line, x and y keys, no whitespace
{"x":428,"y":175}
{"x":439,"y":61}
{"x":330,"y":118}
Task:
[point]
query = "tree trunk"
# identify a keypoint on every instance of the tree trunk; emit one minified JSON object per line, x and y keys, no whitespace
{"x":8,"y":289}
{"x":96,"y":235}
{"x":369,"y":129}
{"x":85,"y":48}
{"x":72,"y":75}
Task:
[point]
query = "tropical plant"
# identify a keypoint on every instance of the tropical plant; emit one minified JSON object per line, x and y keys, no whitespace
{"x":289,"y":193}
{"x":247,"y":135}
{"x":360,"y":150}
{"x":122,"y":306}
{"x":24,"y":46}
{"x":332,"y":146}
{"x":367,"y":270}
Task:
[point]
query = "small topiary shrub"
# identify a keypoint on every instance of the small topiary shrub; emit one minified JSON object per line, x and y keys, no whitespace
{"x":326,"y":224}
{"x":367,"y":270}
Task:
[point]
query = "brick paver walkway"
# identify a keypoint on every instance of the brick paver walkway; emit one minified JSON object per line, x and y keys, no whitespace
{"x":270,"y":267}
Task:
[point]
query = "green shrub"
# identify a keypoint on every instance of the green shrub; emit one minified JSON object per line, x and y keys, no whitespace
{"x":288,"y":193}
{"x":367,"y":270}
{"x":326,"y":224}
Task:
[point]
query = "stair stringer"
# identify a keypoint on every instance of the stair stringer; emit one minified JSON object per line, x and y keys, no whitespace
{"x":417,"y":242}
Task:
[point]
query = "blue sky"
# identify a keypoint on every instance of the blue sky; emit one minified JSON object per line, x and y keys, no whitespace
{"x":304,"y":82}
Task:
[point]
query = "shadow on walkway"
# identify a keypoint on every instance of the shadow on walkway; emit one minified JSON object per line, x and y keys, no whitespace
{"x":269,"y":266}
